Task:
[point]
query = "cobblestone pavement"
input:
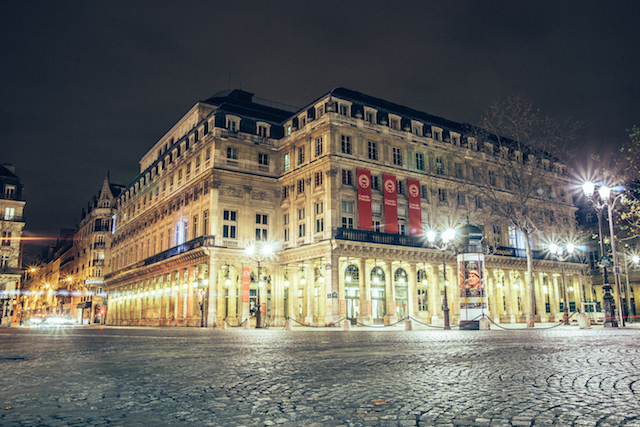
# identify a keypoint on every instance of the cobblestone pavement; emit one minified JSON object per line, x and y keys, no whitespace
{"x":198,"y":377}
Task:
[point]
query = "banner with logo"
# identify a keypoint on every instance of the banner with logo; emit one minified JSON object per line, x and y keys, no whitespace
{"x":415,"y":211}
{"x":390,"y":203}
{"x":365,"y":221}
{"x":246,"y":282}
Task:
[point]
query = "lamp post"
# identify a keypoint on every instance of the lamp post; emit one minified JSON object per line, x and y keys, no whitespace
{"x":604,"y":193}
{"x":447,"y":239}
{"x":259,"y":254}
{"x":558,"y":252}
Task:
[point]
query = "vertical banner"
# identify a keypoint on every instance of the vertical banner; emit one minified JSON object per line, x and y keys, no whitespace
{"x":390,"y":204}
{"x":342,"y":307}
{"x":246,"y":280}
{"x":264,"y":309}
{"x":415,"y":211}
{"x":365,"y":221}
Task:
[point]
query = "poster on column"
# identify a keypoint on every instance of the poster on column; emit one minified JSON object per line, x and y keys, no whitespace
{"x":415,"y":211}
{"x":365,"y":221}
{"x":390,"y":203}
{"x":472,"y":286}
{"x":246,"y":281}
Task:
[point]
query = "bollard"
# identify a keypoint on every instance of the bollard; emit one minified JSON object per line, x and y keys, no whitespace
{"x":583,"y":321}
{"x":289,"y":325}
{"x":408,"y":325}
{"x":346,"y":325}
{"x":484,"y":324}
{"x":246,"y":324}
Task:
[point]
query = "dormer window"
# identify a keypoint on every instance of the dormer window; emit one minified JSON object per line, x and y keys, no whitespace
{"x":233,"y":123}
{"x":437,"y":133}
{"x":416,"y":128}
{"x":394,"y":121}
{"x":370,"y":115}
{"x":343,"y":110}
{"x":263,"y":129}
{"x":455,"y":138}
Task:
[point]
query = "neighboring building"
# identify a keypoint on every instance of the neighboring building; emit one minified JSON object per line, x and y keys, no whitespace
{"x":236,"y":170}
{"x":12,"y":222}
{"x":69,"y":278}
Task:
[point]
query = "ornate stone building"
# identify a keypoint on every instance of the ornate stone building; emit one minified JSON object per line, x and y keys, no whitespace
{"x":344,"y":188}
{"x":12,"y":223}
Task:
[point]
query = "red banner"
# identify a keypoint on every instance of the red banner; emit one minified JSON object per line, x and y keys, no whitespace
{"x":246,"y":281}
{"x":415,"y":211}
{"x":390,"y":203}
{"x":365,"y":221}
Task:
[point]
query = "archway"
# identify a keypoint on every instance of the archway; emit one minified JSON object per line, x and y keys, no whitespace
{"x":352,"y":292}
{"x":378,"y":295}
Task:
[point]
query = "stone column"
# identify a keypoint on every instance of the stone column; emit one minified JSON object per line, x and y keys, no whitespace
{"x":508,"y":293}
{"x":293,"y":293}
{"x":232,"y":316}
{"x":191,"y":290}
{"x":222,"y":296}
{"x":277,"y":297}
{"x":541,"y":308}
{"x":412,"y":290}
{"x":213,"y":295}
{"x":492,"y":296}
{"x":434,"y":294}
{"x":308,"y":294}
{"x":554,"y":300}
{"x":365,"y":293}
{"x":390,"y":294}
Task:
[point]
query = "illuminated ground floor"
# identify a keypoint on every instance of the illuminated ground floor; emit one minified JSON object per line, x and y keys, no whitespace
{"x":329,"y":281}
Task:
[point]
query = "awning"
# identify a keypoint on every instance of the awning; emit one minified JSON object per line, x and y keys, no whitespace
{"x":84,"y":305}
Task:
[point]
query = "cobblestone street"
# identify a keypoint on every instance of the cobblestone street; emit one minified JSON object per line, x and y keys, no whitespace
{"x":202,"y":377}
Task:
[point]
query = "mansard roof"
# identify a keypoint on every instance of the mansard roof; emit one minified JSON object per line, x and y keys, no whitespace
{"x":243,"y":104}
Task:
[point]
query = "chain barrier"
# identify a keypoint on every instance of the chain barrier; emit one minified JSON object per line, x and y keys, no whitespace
{"x":238,"y":326}
{"x":426,"y":324}
{"x":381,"y":326}
{"x":332,"y":324}
{"x":528,"y":329}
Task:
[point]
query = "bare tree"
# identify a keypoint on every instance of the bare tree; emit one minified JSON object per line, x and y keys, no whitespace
{"x":515,"y":165}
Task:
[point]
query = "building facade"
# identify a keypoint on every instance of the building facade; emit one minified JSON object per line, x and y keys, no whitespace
{"x":12,"y":223}
{"x":344,"y":189}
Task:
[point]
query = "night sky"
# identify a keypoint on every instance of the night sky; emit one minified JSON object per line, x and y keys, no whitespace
{"x":89,"y":87}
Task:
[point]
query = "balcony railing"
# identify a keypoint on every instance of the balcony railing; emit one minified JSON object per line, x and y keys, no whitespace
{"x":202,"y":241}
{"x":98,"y":262}
{"x":375,"y":237}
{"x":12,"y":197}
{"x":418,"y":242}
{"x":256,"y":139}
{"x":99,"y":245}
{"x":101,"y":228}
{"x":14,"y":218}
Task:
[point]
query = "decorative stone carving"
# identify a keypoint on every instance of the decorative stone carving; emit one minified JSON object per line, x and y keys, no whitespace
{"x":261,"y":195}
{"x":231,"y":192}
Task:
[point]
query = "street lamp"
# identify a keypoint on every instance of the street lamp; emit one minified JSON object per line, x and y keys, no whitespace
{"x":447,"y":239}
{"x":558,"y":252}
{"x":605,"y":201}
{"x":259,"y":254}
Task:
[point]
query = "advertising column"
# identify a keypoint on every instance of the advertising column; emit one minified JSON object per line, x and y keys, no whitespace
{"x":415,"y":211}
{"x":365,"y":221}
{"x":390,"y":204}
{"x":472,"y":286}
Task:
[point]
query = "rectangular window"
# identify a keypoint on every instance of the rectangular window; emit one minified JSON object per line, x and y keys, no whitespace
{"x":286,"y":234}
{"x":400,"y":187}
{"x":461,"y":199}
{"x":376,"y":226}
{"x":439,"y":165}
{"x":347,"y":222}
{"x":286,"y":219}
{"x":285,"y":192}
{"x":442,"y":195}
{"x":347,"y":177}
{"x":263,"y":159}
{"x":230,"y":224}
{"x":397,"y":156}
{"x":375,"y":182}
{"x":9,"y":214}
{"x":318,"y":146}
{"x":319,"y":208}
{"x":300,"y":155}
{"x":262,"y":131}
{"x":6,"y":238}
{"x":376,"y":209}
{"x":393,"y":124}
{"x":300,"y":186}
{"x":347,"y":206}
{"x":318,"y":179}
{"x":197,"y":162}
{"x":344,"y":110}
{"x":207,"y":154}
{"x":346,"y":144}
{"x":287,"y":162}
{"x":369,"y":116}
{"x":373,"y":150}
{"x":302,"y":230}
{"x":319,"y":225}
{"x":420,"y":161}
{"x":424,"y":192}
{"x":195,"y":231}
{"x":301,"y":213}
